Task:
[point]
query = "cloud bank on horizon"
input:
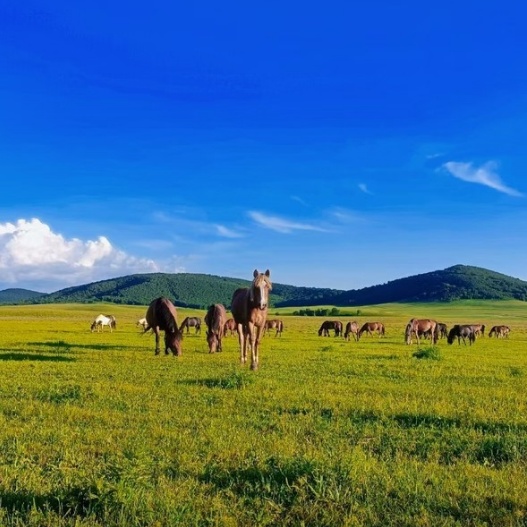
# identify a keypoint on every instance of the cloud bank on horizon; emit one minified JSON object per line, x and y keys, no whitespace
{"x":31,"y":253}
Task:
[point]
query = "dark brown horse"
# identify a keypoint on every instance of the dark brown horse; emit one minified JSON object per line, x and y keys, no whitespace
{"x":371,"y":328}
{"x":191,"y":322}
{"x":230,"y":326}
{"x":274,"y":324}
{"x":462,"y":332}
{"x":500,"y":332}
{"x":249,"y":309}
{"x":161,"y":315}
{"x":442,"y":330}
{"x":327,"y":325}
{"x":424,"y":327}
{"x":215,"y":321}
{"x":352,"y":328}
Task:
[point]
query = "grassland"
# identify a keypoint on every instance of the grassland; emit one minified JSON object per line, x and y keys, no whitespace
{"x":97,"y":431}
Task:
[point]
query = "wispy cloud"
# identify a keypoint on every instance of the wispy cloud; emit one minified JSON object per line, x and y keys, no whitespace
{"x":227,"y":233}
{"x":484,"y":175}
{"x":282,"y":225}
{"x":364,"y":188}
{"x":299,"y":200}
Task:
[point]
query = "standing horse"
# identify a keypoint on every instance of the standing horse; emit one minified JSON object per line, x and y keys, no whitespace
{"x":230,"y":326}
{"x":462,"y":332}
{"x":371,"y":328}
{"x":330,"y":324}
{"x":249,"y":309}
{"x":421,"y":328}
{"x":274,"y":324}
{"x":352,"y":328}
{"x":500,"y":331}
{"x":191,"y":322}
{"x":103,"y":320}
{"x":442,"y":330}
{"x":161,"y":315}
{"x":215,"y":321}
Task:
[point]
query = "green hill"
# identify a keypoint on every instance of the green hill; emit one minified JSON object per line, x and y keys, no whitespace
{"x":460,"y":282}
{"x":17,"y":296}
{"x":200,"y":290}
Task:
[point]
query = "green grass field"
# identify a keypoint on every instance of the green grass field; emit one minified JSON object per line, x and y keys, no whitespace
{"x":97,"y":431}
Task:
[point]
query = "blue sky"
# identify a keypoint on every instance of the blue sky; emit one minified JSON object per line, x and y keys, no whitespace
{"x":338,"y":145}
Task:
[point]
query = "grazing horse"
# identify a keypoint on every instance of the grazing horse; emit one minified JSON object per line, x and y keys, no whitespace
{"x":215,"y":321}
{"x":352,"y":328}
{"x":462,"y":331}
{"x":230,"y":326}
{"x":103,"y":320}
{"x":142,"y":322}
{"x":330,"y":324}
{"x":161,"y":315}
{"x":274,"y":324}
{"x":421,"y":328}
{"x":479,"y":329}
{"x":442,"y":330}
{"x":500,"y":331}
{"x":249,"y":309}
{"x":371,"y":328}
{"x":190,"y":322}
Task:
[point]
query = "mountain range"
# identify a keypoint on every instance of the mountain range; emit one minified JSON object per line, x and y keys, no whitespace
{"x":200,"y":290}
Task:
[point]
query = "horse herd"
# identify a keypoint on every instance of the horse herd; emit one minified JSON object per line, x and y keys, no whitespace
{"x":249,"y":320}
{"x":418,"y":328}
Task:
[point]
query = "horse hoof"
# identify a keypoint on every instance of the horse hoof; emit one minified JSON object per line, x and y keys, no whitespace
{"x":254,"y":367}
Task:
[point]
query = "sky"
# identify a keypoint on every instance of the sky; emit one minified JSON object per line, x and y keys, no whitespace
{"x":338,"y":144}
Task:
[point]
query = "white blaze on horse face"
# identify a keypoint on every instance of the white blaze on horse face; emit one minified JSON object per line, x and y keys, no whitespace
{"x":263,"y":295}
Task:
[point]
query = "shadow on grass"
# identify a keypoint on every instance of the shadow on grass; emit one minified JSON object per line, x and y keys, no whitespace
{"x":233,"y":381}
{"x":65,"y":347}
{"x":35,"y":357}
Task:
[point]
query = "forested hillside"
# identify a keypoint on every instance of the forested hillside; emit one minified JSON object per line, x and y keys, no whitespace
{"x":200,"y":290}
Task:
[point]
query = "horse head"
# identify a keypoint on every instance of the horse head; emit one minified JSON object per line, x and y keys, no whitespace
{"x":259,"y":291}
{"x":173,"y":341}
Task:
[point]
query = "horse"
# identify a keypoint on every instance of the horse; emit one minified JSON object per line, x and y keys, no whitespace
{"x":142,"y":322}
{"x":462,"y":331}
{"x":190,"y":322}
{"x":352,"y":328}
{"x":330,"y":324}
{"x":479,"y":329}
{"x":230,"y":326}
{"x":103,"y":320}
{"x":500,"y":331}
{"x":249,"y":310}
{"x":442,"y":330}
{"x":274,"y":324}
{"x":215,"y":321}
{"x":370,"y":328}
{"x":161,"y":315}
{"x":421,"y":328}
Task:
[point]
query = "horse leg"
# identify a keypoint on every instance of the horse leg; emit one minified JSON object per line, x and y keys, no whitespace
{"x":254,"y":333}
{"x":156,"y":331}
{"x":243,"y":342}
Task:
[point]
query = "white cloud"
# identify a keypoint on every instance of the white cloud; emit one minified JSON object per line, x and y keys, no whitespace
{"x":364,"y":188}
{"x":484,"y":175}
{"x":227,"y":233}
{"x":33,"y":255}
{"x":281,"y":224}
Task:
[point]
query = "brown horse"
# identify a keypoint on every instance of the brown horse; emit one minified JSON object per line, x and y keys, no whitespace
{"x":500,"y":332}
{"x":442,"y":330}
{"x":249,"y":309}
{"x":352,"y":328}
{"x":371,"y":328}
{"x":230,"y":326}
{"x":161,"y":315}
{"x":274,"y":324}
{"x":191,"y":322}
{"x":215,"y":321}
{"x":421,"y":328}
{"x":327,"y":325}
